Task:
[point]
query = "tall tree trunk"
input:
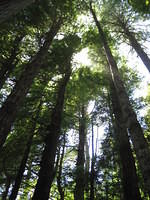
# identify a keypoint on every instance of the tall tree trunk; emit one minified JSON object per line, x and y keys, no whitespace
{"x":9,"y":64}
{"x":87,"y":166}
{"x":139,"y":142}
{"x":5,"y":193}
{"x":46,"y":172}
{"x":59,"y":177}
{"x":12,"y":104}
{"x":22,"y":166}
{"x":9,"y":8}
{"x":21,"y":170}
{"x":136,"y":46}
{"x":80,"y":180}
{"x":129,"y":176}
{"x":92,"y":176}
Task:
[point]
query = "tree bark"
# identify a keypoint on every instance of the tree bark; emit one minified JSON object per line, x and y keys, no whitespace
{"x":87,"y":166}
{"x":46,"y":172}
{"x":21,"y":170}
{"x":59,"y":180}
{"x":12,"y":104}
{"x":92,"y":176}
{"x":129,"y":176}
{"x":9,"y":64}
{"x":136,"y":46}
{"x":8,"y":8}
{"x":139,"y":142}
{"x":22,"y":166}
{"x":80,"y":180}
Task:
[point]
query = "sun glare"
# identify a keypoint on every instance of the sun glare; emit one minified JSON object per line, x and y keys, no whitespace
{"x":82,"y":57}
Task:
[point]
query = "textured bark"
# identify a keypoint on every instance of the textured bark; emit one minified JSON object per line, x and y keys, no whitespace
{"x":57,"y":158}
{"x":9,"y":64}
{"x":92,"y":176}
{"x":129,"y":176}
{"x":87,"y":166}
{"x":87,"y":157}
{"x":9,"y":8}
{"x":139,"y":142}
{"x":21,"y":170}
{"x":12,"y":104}
{"x":80,"y":180}
{"x":59,"y":180}
{"x":22,"y":166}
{"x":46,"y":172}
{"x":136,"y":46}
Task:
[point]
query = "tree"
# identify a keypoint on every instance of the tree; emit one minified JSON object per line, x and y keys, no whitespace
{"x":9,"y":8}
{"x":9,"y":64}
{"x":46,"y":173}
{"x":59,"y":177}
{"x":129,"y":176}
{"x":134,"y":43}
{"x":52,"y":148}
{"x":51,"y":141}
{"x":137,"y":136}
{"x":92,"y":175}
{"x":79,"y":179}
{"x":15,"y":99}
{"x":140,"y":6}
{"x":122,"y":22}
{"x":22,"y":166}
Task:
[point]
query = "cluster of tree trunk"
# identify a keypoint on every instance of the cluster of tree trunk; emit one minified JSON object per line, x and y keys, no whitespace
{"x":14,"y":101}
{"x":123,"y":117}
{"x":129,"y":176}
{"x":140,"y":144}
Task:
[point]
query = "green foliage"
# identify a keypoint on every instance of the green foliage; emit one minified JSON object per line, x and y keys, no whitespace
{"x":87,"y":84}
{"x":142,"y":6}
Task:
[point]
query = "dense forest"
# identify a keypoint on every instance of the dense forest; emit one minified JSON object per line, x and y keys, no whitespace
{"x":74,"y":129}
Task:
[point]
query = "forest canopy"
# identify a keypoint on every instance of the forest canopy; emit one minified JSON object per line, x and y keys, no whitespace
{"x":74,"y":111}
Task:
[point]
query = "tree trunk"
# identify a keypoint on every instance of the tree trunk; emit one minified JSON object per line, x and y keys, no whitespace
{"x":22,"y":166}
{"x":136,"y":46}
{"x":5,"y":193}
{"x":9,"y":64}
{"x":12,"y":104}
{"x":59,"y":181}
{"x":139,"y":142}
{"x":87,"y":166}
{"x":21,"y":170}
{"x":46,"y":172}
{"x":129,"y":176}
{"x":8,"y":8}
{"x":92,"y":176}
{"x":80,"y":180}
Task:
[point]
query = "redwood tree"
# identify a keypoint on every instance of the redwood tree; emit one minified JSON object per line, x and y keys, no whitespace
{"x":13,"y":102}
{"x":80,"y":179}
{"x":46,"y":172}
{"x":129,"y":175}
{"x":139,"y":142}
